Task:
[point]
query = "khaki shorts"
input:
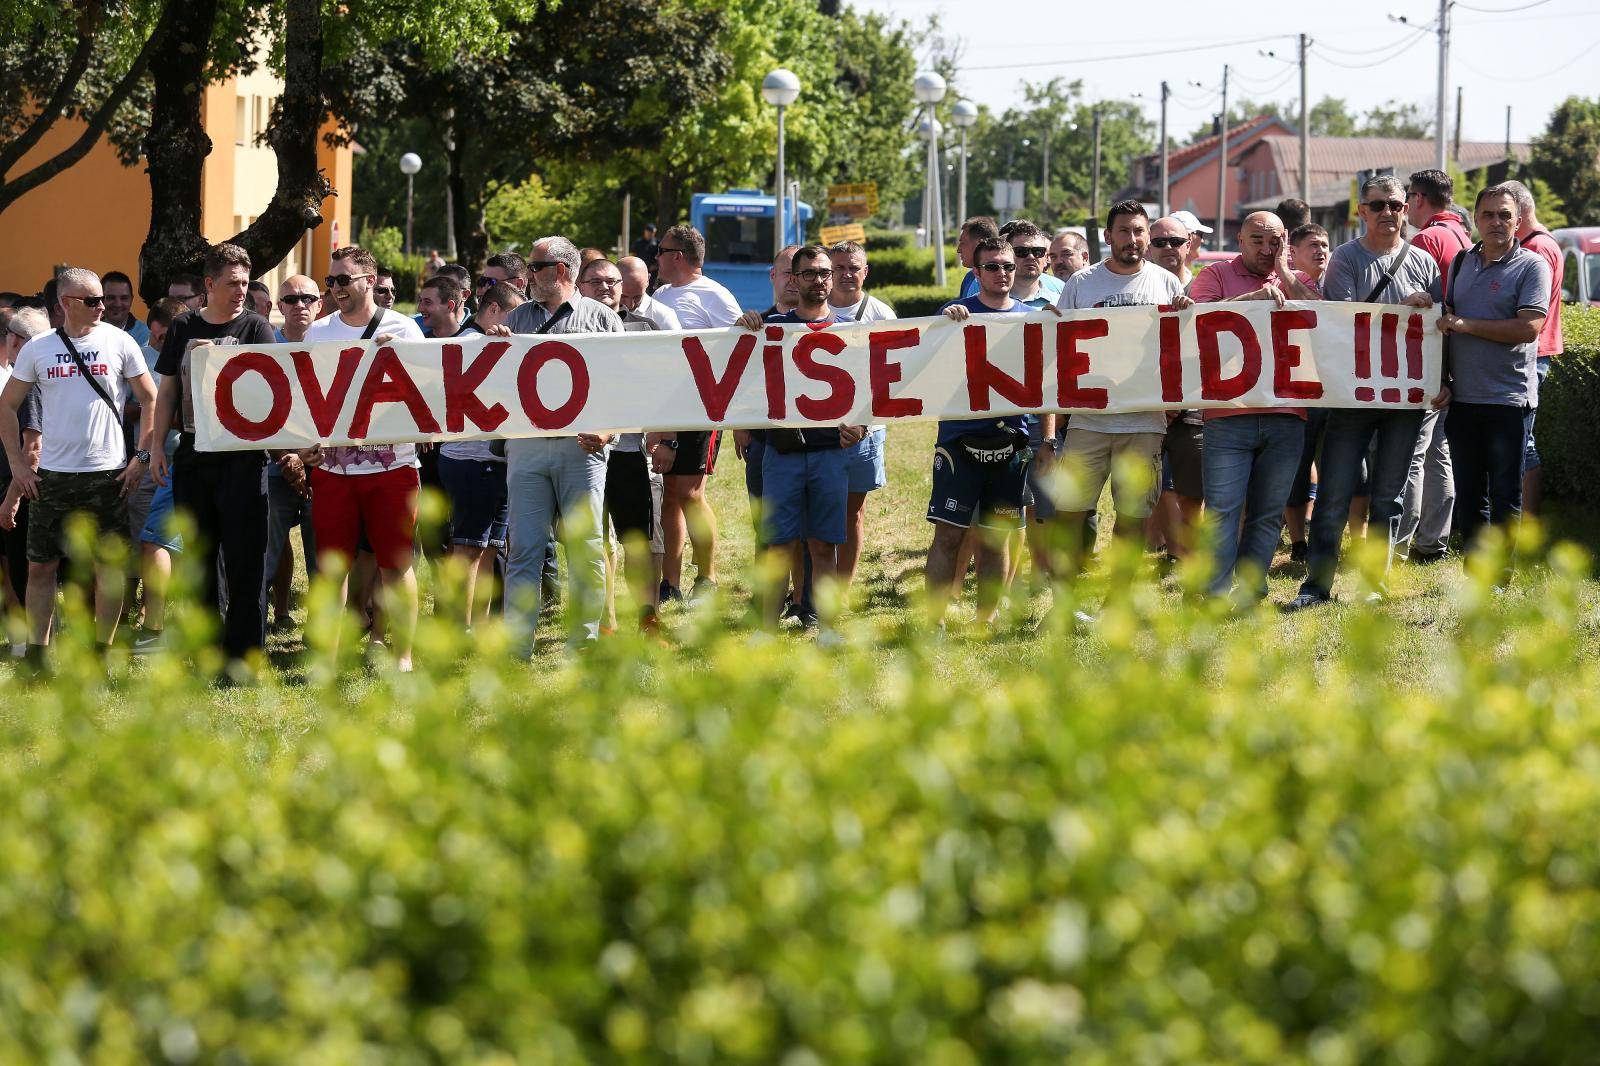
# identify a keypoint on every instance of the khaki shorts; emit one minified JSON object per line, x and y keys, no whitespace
{"x":1091,"y":457}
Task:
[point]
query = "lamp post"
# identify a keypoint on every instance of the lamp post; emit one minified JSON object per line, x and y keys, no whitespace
{"x":929,"y":89}
{"x":410,"y":163}
{"x":780,"y":89}
{"x":963,"y":116}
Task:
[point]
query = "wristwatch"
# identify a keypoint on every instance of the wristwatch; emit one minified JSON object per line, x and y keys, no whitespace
{"x":142,"y":455}
{"x":672,"y":443}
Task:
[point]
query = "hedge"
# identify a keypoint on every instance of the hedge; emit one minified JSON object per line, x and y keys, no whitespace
{"x":915,"y":301}
{"x":1191,"y":843}
{"x":1569,"y":411}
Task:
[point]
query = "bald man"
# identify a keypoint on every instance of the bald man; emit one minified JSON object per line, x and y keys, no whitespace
{"x":1251,"y":454}
{"x":636,"y":294}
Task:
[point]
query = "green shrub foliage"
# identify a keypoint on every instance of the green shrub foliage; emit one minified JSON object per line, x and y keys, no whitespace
{"x":1194,"y":844}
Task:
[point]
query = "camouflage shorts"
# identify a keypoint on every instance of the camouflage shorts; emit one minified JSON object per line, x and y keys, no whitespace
{"x":97,"y":493}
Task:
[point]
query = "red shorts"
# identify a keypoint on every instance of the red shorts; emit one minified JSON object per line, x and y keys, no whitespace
{"x":384,"y":506}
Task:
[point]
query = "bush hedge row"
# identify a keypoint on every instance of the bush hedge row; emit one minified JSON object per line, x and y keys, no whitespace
{"x":1191,"y":845}
{"x":1569,"y":411}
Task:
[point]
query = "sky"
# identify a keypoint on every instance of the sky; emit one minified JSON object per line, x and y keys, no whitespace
{"x":1546,"y":49}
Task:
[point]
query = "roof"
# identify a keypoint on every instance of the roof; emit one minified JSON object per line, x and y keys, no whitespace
{"x":1339,"y":158}
{"x":1178,"y":158}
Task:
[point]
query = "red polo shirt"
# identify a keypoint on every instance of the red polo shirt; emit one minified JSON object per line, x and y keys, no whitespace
{"x":1224,"y":281}
{"x":1545,"y":247}
{"x":1442,"y":236}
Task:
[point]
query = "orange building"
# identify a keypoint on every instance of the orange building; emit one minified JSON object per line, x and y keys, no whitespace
{"x":96,"y":214}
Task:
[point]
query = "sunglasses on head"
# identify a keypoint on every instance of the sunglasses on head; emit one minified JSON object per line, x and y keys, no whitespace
{"x":88,"y":301}
{"x":299,"y":298}
{"x":343,"y":280}
{"x":1377,"y":206}
{"x":994,"y":268}
{"x":1168,"y":242}
{"x":1030,"y":253}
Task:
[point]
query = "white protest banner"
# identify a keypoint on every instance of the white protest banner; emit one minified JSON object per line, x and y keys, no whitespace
{"x":1250,"y":354}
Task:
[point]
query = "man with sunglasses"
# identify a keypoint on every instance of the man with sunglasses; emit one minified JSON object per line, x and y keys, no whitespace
{"x":503,"y":267}
{"x":83,"y":465}
{"x":1379,"y":266}
{"x":383,"y":288}
{"x":980,"y":465}
{"x":224,"y":492}
{"x":288,"y":502}
{"x":557,"y":479}
{"x":1170,"y":249}
{"x":359,"y":491}
{"x":1251,"y":454}
{"x":688,"y":457}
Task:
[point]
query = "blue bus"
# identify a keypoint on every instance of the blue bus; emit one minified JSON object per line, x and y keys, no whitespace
{"x":738,"y":226}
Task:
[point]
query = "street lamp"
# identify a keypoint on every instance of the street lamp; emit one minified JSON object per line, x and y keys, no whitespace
{"x":410,"y":163}
{"x":964,"y":115}
{"x":780,"y":89}
{"x":929,"y":89}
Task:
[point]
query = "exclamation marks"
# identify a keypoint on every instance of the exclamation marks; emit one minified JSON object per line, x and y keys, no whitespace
{"x":1389,"y":357}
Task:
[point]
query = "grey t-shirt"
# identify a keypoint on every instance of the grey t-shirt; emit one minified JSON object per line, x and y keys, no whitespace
{"x":1483,"y":371}
{"x":1100,"y":286}
{"x":1353,"y":272}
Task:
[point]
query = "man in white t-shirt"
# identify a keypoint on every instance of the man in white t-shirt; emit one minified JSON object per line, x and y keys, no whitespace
{"x":367,"y":490}
{"x":83,"y":465}
{"x":687,"y":457}
{"x":1098,"y":446}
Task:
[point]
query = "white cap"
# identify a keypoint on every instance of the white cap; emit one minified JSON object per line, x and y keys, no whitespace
{"x":1191,"y":223}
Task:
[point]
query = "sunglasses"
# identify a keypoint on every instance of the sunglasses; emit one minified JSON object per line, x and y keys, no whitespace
{"x":1030,"y":253}
{"x":996,"y":268}
{"x":87,"y":301}
{"x":668,"y":251}
{"x":343,"y":280}
{"x":299,"y":298}
{"x":814,"y":275}
{"x":383,"y":290}
{"x":1377,"y":206}
{"x":486,"y":281}
{"x":539,"y":264}
{"x":1168,"y":242}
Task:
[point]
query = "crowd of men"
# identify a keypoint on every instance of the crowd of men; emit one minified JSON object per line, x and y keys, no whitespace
{"x":97,"y":417}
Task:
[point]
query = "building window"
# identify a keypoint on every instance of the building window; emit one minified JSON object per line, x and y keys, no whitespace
{"x":240,"y":134}
{"x":258,"y":125}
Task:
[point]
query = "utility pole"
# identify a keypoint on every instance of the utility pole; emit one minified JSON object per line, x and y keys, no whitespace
{"x":1165,"y":92}
{"x":1094,"y":181}
{"x":1305,"y":128}
{"x":1049,"y":127}
{"x":1457,"y":152}
{"x":1444,"y":77}
{"x":1222,"y":167}
{"x":627,"y":221}
{"x":1508,"y":131}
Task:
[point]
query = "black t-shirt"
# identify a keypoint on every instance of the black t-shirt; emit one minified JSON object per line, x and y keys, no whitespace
{"x":812,"y":440}
{"x":248,"y":328}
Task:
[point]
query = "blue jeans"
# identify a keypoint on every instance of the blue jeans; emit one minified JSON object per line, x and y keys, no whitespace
{"x":547,"y":477}
{"x":1487,"y":441}
{"x":286,"y":509}
{"x":1250,"y":463}
{"x":1530,"y":451}
{"x":1344,"y":448}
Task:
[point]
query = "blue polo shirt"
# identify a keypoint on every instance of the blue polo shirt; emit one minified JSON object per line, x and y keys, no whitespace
{"x":952,"y":428}
{"x":1484,"y":371}
{"x":815,"y":439}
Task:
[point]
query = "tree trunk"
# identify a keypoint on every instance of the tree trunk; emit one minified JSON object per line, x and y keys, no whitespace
{"x":466,"y":212}
{"x":669,"y":188}
{"x":296,"y":120}
{"x":175,"y":150}
{"x":177,"y":145}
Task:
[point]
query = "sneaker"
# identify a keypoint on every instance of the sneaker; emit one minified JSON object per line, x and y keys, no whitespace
{"x":1084,"y":619}
{"x":1303,"y":601}
{"x":19,"y":650}
{"x":149,"y":641}
{"x":1429,"y":558}
{"x":704,"y":589}
{"x":1298,"y":551}
{"x":791,"y":613}
{"x":669,"y":594}
{"x":809,"y":620}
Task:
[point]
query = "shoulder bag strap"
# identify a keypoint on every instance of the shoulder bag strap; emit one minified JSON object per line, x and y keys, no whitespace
{"x":550,"y":323}
{"x":372,"y":327}
{"x":1388,"y":275}
{"x":99,"y":390}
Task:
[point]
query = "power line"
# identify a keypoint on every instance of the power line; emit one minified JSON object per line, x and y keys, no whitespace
{"x":1369,"y":51}
{"x":1582,"y":54}
{"x":1500,"y":10}
{"x":1077,"y":61}
{"x":1396,"y":54}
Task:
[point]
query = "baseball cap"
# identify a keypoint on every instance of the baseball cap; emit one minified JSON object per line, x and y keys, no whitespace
{"x":1191,"y":223}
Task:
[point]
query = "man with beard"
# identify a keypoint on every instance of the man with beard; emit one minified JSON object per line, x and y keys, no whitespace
{"x":1125,"y":448}
{"x":1069,"y":253}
